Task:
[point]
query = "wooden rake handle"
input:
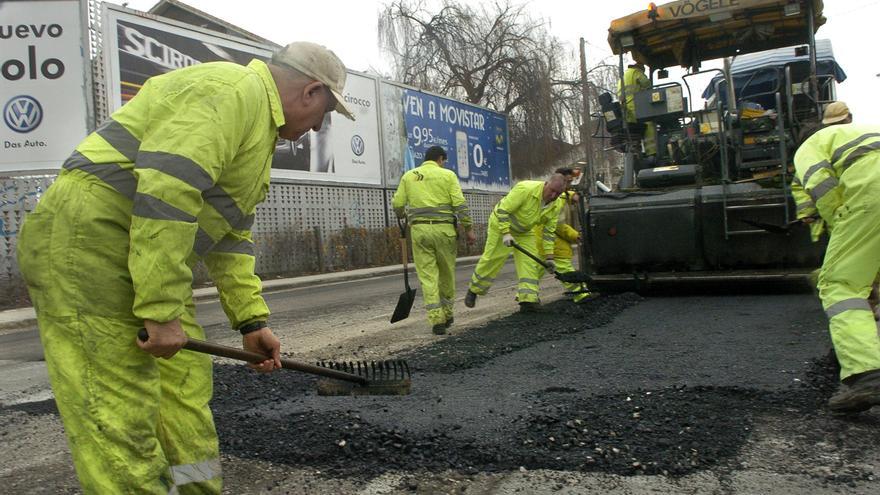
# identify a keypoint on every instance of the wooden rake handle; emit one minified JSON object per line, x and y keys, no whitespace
{"x":253,"y":357}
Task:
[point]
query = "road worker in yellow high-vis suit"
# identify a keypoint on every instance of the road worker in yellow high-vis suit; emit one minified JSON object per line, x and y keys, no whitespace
{"x":430,"y":198}
{"x":635,"y":80}
{"x":172,"y":177}
{"x":839,"y":168}
{"x":528,"y":204}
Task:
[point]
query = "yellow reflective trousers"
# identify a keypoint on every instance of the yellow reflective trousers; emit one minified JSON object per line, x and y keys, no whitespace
{"x":839,"y":168}
{"x":134,"y":423}
{"x":434,"y":249}
{"x":494,"y":256}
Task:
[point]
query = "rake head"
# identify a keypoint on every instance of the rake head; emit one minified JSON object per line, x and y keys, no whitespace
{"x":381,"y":378}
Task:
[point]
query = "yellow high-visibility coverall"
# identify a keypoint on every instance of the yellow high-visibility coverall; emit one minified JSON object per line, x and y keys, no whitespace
{"x":430,"y":197}
{"x":839,"y":167}
{"x":805,"y":208}
{"x":517,"y":214}
{"x":173,"y":176}
{"x":566,"y":235}
{"x":634,"y":80}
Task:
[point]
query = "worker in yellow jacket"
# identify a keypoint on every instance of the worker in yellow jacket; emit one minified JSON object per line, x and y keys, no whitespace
{"x":172,"y":177}
{"x":635,"y":80}
{"x":430,"y":198}
{"x":839,"y":167}
{"x":530,"y":203}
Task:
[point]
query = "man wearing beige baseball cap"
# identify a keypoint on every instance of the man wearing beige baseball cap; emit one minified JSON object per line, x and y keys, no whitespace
{"x":836,"y":113}
{"x":172,"y":177}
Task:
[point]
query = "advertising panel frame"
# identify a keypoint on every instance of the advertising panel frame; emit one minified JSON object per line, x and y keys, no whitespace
{"x":18,"y":168}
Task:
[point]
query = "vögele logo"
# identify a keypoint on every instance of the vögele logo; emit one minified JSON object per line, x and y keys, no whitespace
{"x":357,"y":145}
{"x":23,"y":113}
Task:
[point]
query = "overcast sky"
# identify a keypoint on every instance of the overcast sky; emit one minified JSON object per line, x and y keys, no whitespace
{"x":348,"y":27}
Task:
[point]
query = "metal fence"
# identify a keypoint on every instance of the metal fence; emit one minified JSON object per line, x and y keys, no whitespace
{"x":299,"y":229}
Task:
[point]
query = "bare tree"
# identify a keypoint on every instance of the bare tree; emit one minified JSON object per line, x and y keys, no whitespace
{"x":493,"y":55}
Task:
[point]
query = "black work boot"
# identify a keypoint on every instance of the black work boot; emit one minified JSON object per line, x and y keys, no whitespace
{"x":439,"y":329}
{"x":859,"y":393}
{"x":531,"y":307}
{"x":470,"y":299}
{"x":449,"y":321}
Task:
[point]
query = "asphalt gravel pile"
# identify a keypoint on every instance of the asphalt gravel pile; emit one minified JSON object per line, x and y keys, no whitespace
{"x":473,"y":410}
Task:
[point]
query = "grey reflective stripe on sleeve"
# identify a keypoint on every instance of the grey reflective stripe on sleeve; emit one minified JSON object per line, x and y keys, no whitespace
{"x":227,"y":208}
{"x":532,"y":281}
{"x":514,"y":224}
{"x":196,"y":473}
{"x":227,"y":245}
{"x":176,"y":166}
{"x":846,"y":305}
{"x":431,"y":306}
{"x":147,"y":206}
{"x":815,"y":168}
{"x":858,"y":153}
{"x":203,"y":243}
{"x":838,"y":153}
{"x":823,"y":188}
{"x":120,"y":138}
{"x":806,"y":204}
{"x":110,"y":173}
{"x":527,"y":291}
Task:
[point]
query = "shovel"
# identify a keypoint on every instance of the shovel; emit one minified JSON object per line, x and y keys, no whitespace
{"x":570,"y":277}
{"x":406,"y":300}
{"x":346,"y":378}
{"x":774,"y":229}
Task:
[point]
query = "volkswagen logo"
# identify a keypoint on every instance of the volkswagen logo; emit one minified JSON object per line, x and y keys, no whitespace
{"x":23,"y":113}
{"x":357,"y":145}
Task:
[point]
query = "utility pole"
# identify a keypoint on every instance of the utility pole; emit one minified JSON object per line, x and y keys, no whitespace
{"x":586,"y":134}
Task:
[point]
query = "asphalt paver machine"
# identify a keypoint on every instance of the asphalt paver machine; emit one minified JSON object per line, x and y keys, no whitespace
{"x":686,"y":208}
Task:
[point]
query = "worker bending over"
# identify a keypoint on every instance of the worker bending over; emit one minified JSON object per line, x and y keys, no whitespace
{"x":530,"y":203}
{"x":839,"y":168}
{"x":172,"y":177}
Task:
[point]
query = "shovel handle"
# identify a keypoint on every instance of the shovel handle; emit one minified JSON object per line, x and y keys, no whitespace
{"x":530,"y":255}
{"x":253,"y":357}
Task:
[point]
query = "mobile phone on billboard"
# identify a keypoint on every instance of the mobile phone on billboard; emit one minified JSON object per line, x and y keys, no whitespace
{"x":461,"y":152}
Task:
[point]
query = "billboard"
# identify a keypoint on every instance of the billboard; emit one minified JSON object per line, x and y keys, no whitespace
{"x":475,"y":138}
{"x":140,"y":47}
{"x":43,"y":95}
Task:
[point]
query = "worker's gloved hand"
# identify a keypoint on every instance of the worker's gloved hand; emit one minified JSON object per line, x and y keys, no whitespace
{"x":164,"y":339}
{"x":264,"y":342}
{"x":507,"y":240}
{"x":551,"y":265}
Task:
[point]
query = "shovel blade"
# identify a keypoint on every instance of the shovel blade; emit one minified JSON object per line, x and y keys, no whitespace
{"x":574,"y":277}
{"x":404,"y":305}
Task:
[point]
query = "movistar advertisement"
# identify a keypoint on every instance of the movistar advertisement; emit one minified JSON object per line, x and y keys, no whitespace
{"x":43,"y":95}
{"x":475,"y":138}
{"x":342,"y":151}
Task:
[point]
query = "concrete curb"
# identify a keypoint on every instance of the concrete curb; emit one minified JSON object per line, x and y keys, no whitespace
{"x":22,"y":317}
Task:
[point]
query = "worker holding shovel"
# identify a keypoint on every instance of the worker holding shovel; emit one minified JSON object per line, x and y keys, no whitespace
{"x":173,"y":176}
{"x":529,"y":204}
{"x":430,"y":199}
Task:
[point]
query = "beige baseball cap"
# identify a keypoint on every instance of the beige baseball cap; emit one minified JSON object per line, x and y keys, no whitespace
{"x":320,"y":63}
{"x":835,"y":112}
